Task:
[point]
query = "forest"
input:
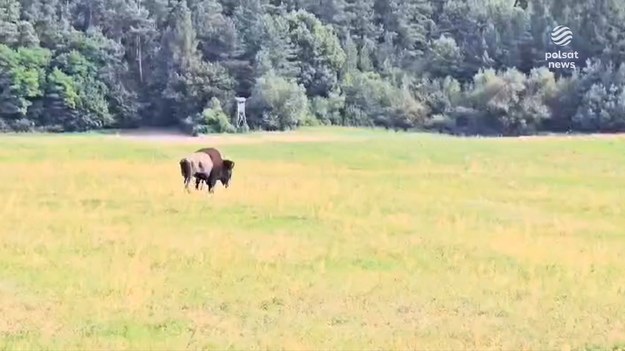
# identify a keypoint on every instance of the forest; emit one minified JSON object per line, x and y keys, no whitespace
{"x":478,"y":67}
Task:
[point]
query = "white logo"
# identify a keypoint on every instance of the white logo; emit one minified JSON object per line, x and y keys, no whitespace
{"x":561,"y":35}
{"x":564,"y":58}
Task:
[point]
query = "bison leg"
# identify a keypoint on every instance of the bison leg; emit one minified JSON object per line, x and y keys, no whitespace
{"x":211,"y":185}
{"x":198,"y":183}
{"x":187,"y":180}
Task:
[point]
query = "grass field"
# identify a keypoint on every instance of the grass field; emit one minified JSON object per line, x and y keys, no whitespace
{"x":351,"y":240}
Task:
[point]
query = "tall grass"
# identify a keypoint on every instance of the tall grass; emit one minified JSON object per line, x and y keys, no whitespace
{"x":380,"y":241}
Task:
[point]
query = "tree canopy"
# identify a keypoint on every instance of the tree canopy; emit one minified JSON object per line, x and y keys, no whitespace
{"x":458,"y":66}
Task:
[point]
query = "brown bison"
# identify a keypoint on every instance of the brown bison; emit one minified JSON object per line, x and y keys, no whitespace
{"x":222,"y":170}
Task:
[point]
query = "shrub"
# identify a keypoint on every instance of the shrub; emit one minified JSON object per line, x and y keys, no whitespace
{"x":328,"y":111}
{"x":278,"y":103}
{"x":369,"y":99}
{"x":215,"y":118}
{"x":511,"y":101}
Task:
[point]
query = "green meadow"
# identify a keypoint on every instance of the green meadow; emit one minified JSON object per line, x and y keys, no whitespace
{"x":326,"y":239}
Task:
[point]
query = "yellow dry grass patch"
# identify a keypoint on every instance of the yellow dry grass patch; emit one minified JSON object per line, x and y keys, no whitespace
{"x":23,"y":315}
{"x":400,"y":242}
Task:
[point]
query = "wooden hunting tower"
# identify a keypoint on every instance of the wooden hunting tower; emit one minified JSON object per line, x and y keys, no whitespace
{"x":241,"y":120}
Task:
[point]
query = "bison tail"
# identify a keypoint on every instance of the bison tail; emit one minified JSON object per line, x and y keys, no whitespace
{"x":185,"y":168}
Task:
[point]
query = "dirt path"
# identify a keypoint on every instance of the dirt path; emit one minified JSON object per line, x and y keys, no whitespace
{"x":614,"y":136}
{"x":170,"y":136}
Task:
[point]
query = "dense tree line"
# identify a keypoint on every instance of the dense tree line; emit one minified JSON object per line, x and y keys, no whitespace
{"x":462,"y":66}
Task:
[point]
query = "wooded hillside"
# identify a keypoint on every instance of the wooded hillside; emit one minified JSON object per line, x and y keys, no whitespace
{"x":466,"y":66}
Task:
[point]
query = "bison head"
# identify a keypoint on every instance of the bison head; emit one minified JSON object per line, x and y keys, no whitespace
{"x":226,"y":172}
